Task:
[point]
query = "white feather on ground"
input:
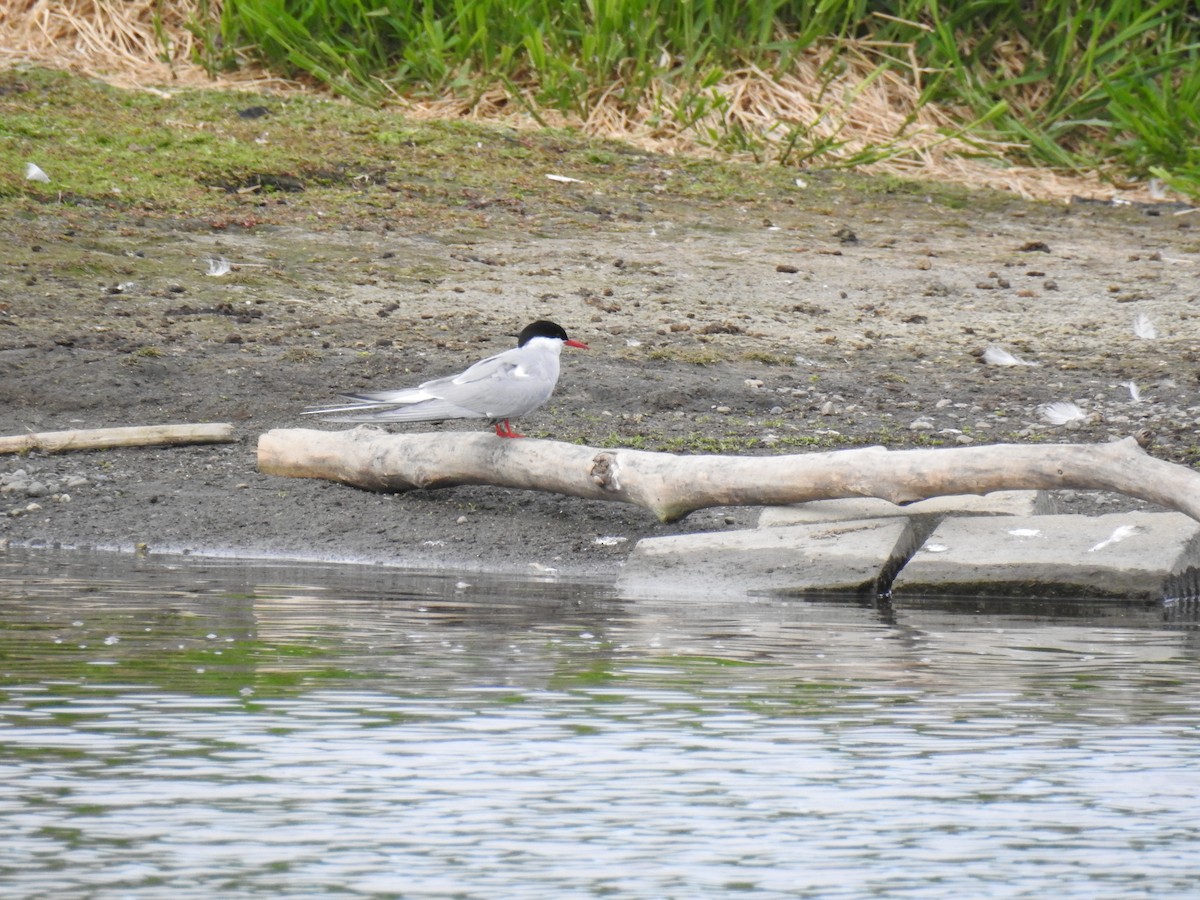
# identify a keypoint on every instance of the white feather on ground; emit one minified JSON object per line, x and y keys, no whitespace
{"x":1144,"y":328}
{"x":218,"y":266}
{"x":1119,"y":534}
{"x":1062,"y":412}
{"x":33,"y":172}
{"x":1135,"y":393}
{"x":998,"y":356}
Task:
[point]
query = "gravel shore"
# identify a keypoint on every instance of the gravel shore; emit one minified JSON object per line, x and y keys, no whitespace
{"x":769,"y":324}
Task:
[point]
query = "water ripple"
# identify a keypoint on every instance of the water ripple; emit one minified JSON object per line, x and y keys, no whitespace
{"x":325,"y":732}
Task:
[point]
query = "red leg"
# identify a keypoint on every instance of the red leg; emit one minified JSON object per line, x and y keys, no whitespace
{"x":506,"y":431}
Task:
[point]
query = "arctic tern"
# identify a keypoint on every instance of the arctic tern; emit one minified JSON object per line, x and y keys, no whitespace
{"x":498,"y":388}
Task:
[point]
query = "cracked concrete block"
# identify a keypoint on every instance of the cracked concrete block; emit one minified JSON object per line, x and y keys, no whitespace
{"x":1127,"y":556}
{"x":856,"y":557}
{"x":997,"y":503}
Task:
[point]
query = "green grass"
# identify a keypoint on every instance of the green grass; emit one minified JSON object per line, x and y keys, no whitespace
{"x":191,"y":154}
{"x":140,"y":149}
{"x":1111,"y":86}
{"x":697,"y":356}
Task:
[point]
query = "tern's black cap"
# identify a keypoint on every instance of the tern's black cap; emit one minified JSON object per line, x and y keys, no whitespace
{"x":541,"y":328}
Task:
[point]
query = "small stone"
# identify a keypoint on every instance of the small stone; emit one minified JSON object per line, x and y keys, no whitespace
{"x":776,"y":410}
{"x":76,"y":481}
{"x":828,"y":408}
{"x":33,"y":507}
{"x":753,"y":383}
{"x":964,"y":439}
{"x":724,"y":409}
{"x":36,"y":489}
{"x":921,"y":425}
{"x":461,"y":520}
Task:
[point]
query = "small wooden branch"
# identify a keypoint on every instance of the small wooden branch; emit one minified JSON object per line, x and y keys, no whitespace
{"x":133,"y":436}
{"x":672,"y":486}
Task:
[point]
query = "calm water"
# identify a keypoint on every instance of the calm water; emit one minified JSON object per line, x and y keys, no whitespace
{"x":198,"y":729}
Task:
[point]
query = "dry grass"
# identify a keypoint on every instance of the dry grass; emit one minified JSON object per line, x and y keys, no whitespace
{"x":852,"y":109}
{"x":116,"y":40}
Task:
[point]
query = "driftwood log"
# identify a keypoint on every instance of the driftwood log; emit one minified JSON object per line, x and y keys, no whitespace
{"x":672,"y":486}
{"x":132,"y":436}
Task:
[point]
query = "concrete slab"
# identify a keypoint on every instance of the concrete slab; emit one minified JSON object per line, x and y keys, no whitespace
{"x":852,"y":557}
{"x":1128,"y":556}
{"x":997,"y":503}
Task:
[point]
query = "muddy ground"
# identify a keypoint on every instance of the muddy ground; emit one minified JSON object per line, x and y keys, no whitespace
{"x":836,"y":313}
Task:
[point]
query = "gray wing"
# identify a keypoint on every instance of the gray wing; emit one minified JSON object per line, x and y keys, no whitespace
{"x":498,"y":387}
{"x":406,"y":404}
{"x":424,"y":411}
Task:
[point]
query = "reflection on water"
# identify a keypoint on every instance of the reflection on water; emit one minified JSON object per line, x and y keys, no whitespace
{"x":211,"y":728}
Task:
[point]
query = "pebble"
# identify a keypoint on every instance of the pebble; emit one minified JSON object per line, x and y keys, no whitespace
{"x":921,"y":425}
{"x":24,"y":486}
{"x":776,"y":410}
{"x":21,"y":483}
